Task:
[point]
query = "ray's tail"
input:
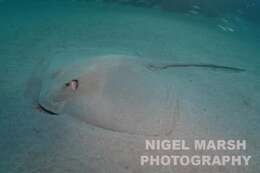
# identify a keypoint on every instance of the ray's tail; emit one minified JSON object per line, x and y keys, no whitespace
{"x":154,"y":67}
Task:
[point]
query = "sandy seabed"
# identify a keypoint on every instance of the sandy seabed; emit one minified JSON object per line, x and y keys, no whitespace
{"x":211,"y":104}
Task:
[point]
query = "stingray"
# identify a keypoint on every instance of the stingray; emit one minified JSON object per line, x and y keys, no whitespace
{"x":116,"y":93}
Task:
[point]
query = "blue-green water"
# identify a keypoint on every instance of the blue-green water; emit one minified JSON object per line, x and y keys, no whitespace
{"x":213,"y":104}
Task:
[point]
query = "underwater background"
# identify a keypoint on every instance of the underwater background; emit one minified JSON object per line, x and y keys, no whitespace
{"x":219,"y":105}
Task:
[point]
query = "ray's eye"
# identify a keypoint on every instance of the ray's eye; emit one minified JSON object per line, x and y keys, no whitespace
{"x":67,"y":84}
{"x":73,"y":84}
